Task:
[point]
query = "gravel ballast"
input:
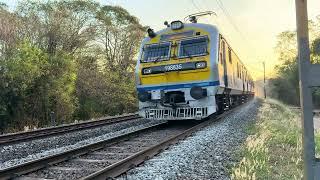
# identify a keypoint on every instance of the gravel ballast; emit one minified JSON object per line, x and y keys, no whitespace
{"x":204,"y":155}
{"x":11,"y":155}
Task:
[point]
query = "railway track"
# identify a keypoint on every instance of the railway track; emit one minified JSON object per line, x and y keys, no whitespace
{"x":53,"y":131}
{"x":106,"y":159}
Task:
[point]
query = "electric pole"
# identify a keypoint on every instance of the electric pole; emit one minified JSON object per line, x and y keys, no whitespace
{"x":309,"y":77}
{"x":264,"y":80}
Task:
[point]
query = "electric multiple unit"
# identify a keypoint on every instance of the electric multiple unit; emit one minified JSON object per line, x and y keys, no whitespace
{"x":189,"y":71}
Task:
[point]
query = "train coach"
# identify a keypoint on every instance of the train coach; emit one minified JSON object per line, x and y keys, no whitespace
{"x":189,"y":71}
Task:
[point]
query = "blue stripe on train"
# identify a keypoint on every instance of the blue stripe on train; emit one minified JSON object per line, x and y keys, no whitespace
{"x":178,"y":86}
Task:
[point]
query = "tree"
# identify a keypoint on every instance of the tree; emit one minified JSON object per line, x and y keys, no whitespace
{"x":118,"y":38}
{"x":286,"y":46}
{"x":59,"y":25}
{"x":286,"y":85}
{"x":119,"y":35}
{"x":20,"y":73}
{"x":9,"y":30}
{"x":73,"y":58}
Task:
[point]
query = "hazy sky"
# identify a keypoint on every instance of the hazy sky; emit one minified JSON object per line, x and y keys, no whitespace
{"x":258,"y":22}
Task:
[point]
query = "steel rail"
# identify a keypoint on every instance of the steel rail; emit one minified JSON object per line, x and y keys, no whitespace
{"x":134,"y":160}
{"x":15,"y":171}
{"x":116,"y":168}
{"x":51,"y":131}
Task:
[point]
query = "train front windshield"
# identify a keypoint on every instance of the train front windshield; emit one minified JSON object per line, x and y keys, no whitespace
{"x":193,"y":47}
{"x":156,"y":52}
{"x":187,"y":48}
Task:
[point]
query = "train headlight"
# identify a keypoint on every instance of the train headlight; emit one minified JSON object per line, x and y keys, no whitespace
{"x":146,"y":71}
{"x":144,"y":96}
{"x":197,"y":92}
{"x":175,"y":25}
{"x":201,"y":65}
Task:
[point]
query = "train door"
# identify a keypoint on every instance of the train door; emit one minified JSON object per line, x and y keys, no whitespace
{"x":230,"y":68}
{"x":223,"y":62}
{"x":225,"y":66}
{"x":220,"y":64}
{"x":247,"y":81}
{"x":242,"y":78}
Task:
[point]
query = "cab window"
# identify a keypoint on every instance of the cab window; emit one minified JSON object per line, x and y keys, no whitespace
{"x":156,"y":52}
{"x":193,"y":47}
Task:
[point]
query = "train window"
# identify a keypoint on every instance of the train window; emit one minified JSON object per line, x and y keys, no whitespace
{"x":242,"y":73}
{"x":193,"y":47}
{"x":222,"y":50}
{"x":156,"y":52}
{"x":230,"y":55}
{"x":238,"y":70}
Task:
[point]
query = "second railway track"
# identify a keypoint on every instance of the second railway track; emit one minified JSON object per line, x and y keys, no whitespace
{"x":106,"y":159}
{"x":8,"y":139}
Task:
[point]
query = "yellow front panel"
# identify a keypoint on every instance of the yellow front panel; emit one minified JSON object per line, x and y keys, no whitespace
{"x":177,"y":76}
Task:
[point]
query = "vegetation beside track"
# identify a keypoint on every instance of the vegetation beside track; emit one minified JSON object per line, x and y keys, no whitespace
{"x":273,"y":147}
{"x":285,"y":84}
{"x":62,"y":61}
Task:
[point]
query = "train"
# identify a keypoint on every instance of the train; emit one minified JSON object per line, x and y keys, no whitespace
{"x":188,"y":71}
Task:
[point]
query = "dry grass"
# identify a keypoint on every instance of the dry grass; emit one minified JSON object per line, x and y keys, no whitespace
{"x":273,"y":148}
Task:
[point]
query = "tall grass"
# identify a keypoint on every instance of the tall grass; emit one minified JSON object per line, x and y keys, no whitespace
{"x":273,"y":148}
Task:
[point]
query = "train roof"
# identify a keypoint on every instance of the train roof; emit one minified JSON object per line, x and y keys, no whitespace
{"x":209,"y":27}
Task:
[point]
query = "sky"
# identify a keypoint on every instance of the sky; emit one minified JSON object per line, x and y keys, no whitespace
{"x":250,"y":26}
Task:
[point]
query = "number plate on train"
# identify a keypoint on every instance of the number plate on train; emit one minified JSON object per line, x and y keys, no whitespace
{"x":173,"y":67}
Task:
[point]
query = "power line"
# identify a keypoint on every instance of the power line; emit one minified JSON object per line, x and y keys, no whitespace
{"x":199,"y":9}
{"x":232,"y":22}
{"x":194,"y":4}
{"x":205,"y":3}
{"x":230,"y":19}
{"x":215,"y":20}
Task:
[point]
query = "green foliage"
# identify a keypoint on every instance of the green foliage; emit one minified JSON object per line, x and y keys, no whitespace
{"x":35,"y":85}
{"x":71,"y":58}
{"x":103,"y":92}
{"x":286,"y":86}
{"x":20,"y":74}
{"x":25,"y":66}
{"x":61,"y":89}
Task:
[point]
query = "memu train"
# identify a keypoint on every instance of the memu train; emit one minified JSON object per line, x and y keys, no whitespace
{"x":189,"y":71}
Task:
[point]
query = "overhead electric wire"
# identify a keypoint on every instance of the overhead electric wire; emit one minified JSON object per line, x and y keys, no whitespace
{"x":233,"y":23}
{"x":194,"y":4}
{"x":197,"y":7}
{"x":230,"y":19}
